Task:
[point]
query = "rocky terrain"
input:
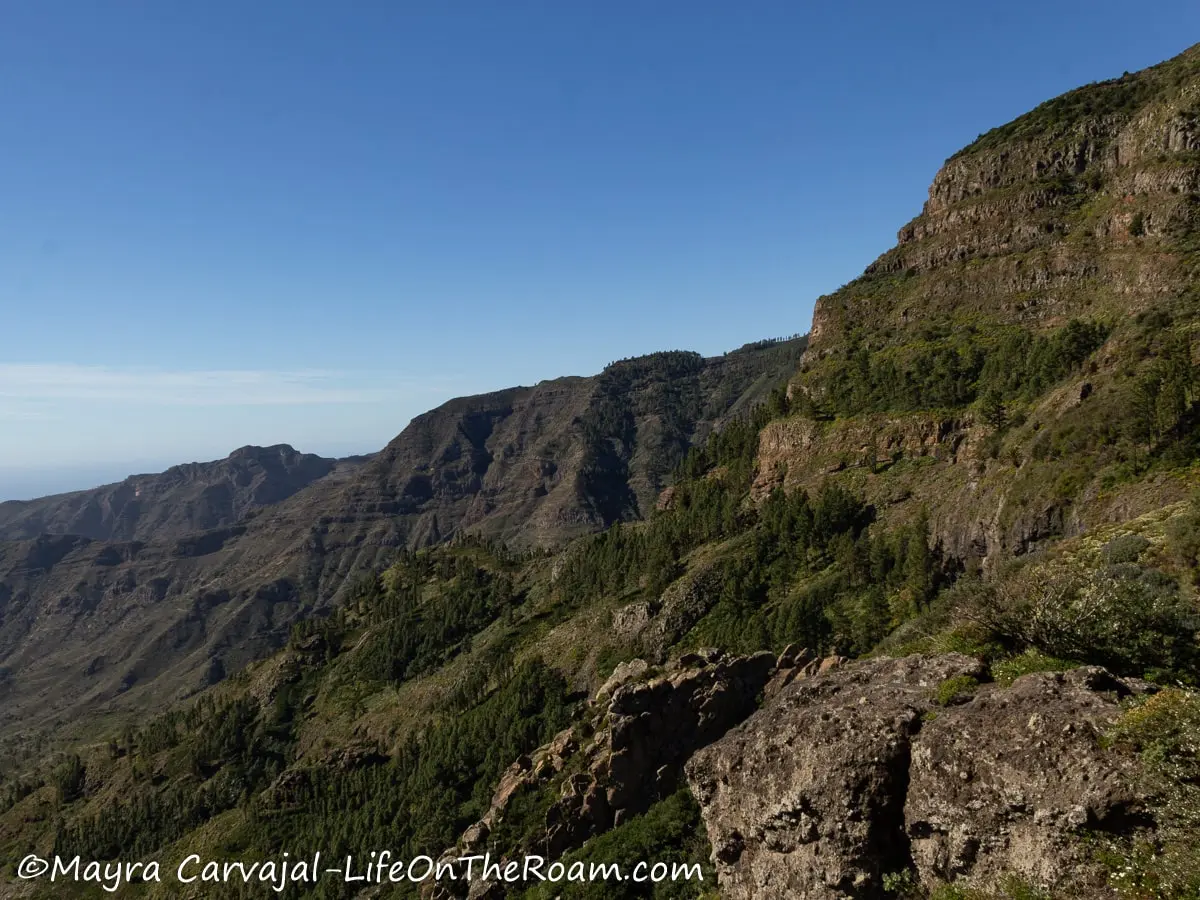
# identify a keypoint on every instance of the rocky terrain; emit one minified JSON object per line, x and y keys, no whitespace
{"x":848,"y":773}
{"x":846,"y":778}
{"x":926,"y":625}
{"x":160,"y":585}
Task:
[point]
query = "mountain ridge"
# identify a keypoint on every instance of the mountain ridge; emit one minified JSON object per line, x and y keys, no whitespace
{"x":187,"y":497}
{"x":84,"y":622}
{"x":961,"y":550}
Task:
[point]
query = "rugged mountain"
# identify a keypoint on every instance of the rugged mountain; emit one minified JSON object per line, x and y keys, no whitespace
{"x":1018,"y":339}
{"x":927,"y":627}
{"x":83,"y":621}
{"x":1084,"y":206}
{"x":536,"y":466}
{"x":191,"y":497}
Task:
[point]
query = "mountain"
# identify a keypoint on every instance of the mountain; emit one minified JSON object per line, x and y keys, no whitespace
{"x":1008,"y":340}
{"x":192,"y":497}
{"x":924,"y":625}
{"x":165,"y":607}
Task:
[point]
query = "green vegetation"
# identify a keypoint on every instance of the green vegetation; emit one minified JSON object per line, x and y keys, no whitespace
{"x":1164,"y":729}
{"x":955,"y":690}
{"x":805,"y":570}
{"x":1132,"y":619}
{"x":226,"y":750}
{"x":1006,"y":671}
{"x":1117,"y":97}
{"x":414,"y":626}
{"x":1183,"y":541}
{"x":418,"y":801}
{"x":948,"y":368}
{"x":669,"y":832}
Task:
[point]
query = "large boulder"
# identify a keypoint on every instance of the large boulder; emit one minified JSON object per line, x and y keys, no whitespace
{"x":845,"y":777}
{"x":1004,"y":785}
{"x":805,"y":799}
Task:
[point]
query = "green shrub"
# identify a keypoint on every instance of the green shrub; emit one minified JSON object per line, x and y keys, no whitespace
{"x":1006,"y":671}
{"x":902,"y":884}
{"x":1183,"y":540}
{"x":955,"y":690}
{"x":1130,"y":619}
{"x":1164,"y":730}
{"x":1125,"y":548}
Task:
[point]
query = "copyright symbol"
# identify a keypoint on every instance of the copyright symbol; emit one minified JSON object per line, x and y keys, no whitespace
{"x":32,"y":867}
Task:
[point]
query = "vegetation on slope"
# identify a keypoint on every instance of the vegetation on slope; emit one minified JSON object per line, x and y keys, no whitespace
{"x":390,"y":721}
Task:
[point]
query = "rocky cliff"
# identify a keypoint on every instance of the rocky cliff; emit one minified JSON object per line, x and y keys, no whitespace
{"x":164,"y":607}
{"x":1068,"y":235}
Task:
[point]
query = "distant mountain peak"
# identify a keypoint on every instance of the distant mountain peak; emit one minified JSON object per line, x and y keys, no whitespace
{"x":253,"y":451}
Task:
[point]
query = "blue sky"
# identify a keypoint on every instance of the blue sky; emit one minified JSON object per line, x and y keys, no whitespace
{"x":227,"y":223}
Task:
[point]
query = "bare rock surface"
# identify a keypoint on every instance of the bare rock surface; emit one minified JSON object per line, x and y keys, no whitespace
{"x":806,"y":798}
{"x":1005,"y":783}
{"x":849,"y":775}
{"x":645,"y":724}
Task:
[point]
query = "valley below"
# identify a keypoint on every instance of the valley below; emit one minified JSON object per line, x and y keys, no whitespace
{"x":903,"y":608}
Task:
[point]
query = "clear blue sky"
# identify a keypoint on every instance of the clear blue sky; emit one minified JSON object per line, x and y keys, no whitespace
{"x":253,"y":222}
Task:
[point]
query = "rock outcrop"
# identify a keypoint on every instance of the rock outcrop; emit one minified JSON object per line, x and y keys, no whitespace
{"x":644,"y":724}
{"x":844,"y":778}
{"x":1005,"y":783}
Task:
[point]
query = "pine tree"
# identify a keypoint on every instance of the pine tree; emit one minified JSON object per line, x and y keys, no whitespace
{"x":991,"y":407}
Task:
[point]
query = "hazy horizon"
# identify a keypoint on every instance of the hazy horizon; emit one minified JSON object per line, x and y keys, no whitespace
{"x":307,"y":224}
{"x":31,"y":483}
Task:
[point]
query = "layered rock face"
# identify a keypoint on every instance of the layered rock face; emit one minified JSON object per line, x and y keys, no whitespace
{"x":222,"y":557}
{"x":1087,"y":208}
{"x":1030,"y":224}
{"x":856,"y":774}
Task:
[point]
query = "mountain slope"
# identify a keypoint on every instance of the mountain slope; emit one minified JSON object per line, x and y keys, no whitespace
{"x":83,"y":622}
{"x":192,"y":497}
{"x":1028,"y":340}
{"x":978,"y":483}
